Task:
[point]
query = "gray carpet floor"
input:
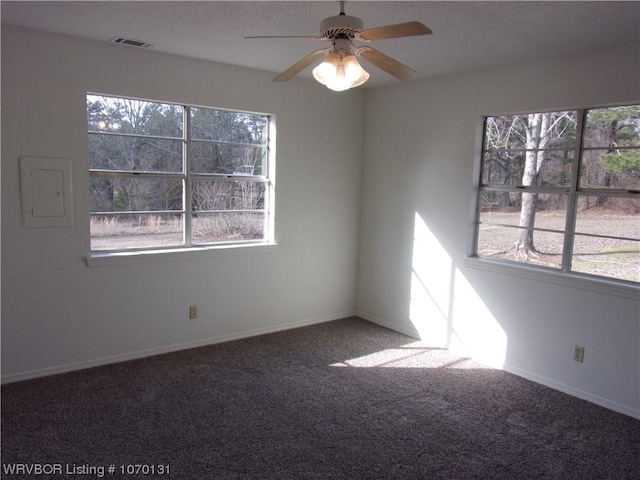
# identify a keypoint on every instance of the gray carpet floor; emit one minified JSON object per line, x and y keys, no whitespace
{"x":341,"y":400}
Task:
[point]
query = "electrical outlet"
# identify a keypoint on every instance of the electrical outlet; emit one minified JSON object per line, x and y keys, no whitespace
{"x":578,"y":354}
{"x":193,"y":312}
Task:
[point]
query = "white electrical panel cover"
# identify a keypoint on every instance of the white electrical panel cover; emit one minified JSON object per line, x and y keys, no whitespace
{"x":47,"y":199}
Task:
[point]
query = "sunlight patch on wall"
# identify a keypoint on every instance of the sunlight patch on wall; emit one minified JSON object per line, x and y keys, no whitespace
{"x":445,"y":309}
{"x":412,"y":355}
{"x":430,"y":286}
{"x":476,"y":332}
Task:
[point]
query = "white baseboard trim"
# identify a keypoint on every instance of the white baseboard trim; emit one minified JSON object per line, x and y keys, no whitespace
{"x":547,"y":382}
{"x":383,"y":323}
{"x":70,"y":367}
{"x":97,"y":362}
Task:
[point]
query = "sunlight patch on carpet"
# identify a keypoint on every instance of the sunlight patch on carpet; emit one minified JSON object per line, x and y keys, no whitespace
{"x":412,"y":355}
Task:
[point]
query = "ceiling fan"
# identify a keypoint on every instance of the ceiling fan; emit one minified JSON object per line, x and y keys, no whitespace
{"x":340,"y":69}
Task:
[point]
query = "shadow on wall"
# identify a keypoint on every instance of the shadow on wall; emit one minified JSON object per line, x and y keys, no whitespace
{"x":444,"y":307}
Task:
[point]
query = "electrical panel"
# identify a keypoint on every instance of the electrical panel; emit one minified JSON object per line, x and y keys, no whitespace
{"x":46,"y":192}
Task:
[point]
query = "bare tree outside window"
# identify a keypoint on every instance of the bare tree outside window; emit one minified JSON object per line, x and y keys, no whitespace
{"x":561,"y":190}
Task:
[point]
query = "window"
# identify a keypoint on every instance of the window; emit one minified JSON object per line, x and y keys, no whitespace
{"x":164,"y":176}
{"x":561,"y":190}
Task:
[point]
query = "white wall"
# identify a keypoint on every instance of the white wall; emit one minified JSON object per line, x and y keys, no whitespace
{"x":421,"y":143}
{"x":59,"y":314}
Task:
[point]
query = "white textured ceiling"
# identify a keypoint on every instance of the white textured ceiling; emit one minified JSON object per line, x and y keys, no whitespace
{"x":467,"y":35}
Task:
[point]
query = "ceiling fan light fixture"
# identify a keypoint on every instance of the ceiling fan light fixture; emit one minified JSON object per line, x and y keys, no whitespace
{"x":354,"y":71}
{"x":327,"y":69}
{"x":340,"y":69}
{"x":339,"y":74}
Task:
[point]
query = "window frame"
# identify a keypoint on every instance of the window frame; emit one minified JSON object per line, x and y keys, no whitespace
{"x":564,"y":274}
{"x":189,"y":247}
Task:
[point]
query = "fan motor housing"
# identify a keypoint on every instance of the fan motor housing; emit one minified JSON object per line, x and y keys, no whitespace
{"x":340,"y":26}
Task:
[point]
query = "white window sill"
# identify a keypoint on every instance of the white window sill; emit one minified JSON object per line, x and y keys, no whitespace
{"x":99,"y":259}
{"x":541,"y":274}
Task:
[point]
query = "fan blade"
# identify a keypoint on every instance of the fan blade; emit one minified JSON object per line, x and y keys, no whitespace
{"x":408,"y":29}
{"x":288,"y":36}
{"x":386,"y":63}
{"x":300,"y":65}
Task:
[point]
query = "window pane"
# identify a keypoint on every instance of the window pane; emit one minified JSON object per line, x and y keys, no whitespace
{"x":122,"y":115}
{"x":611,"y":168}
{"x":502,"y":242}
{"x":607,"y":257}
{"x":611,"y":216}
{"x":505,"y":132}
{"x":612,"y":127}
{"x":499,"y":233}
{"x":114,"y":152}
{"x":531,"y":131}
{"x":531,"y":150}
{"x":506,"y":208}
{"x":225,"y":126}
{"x":503,"y":167}
{"x":227,"y":159}
{"x":116,"y":232}
{"x":555,"y":169}
{"x":237,"y":195}
{"x":134,"y":194}
{"x":220,"y":227}
{"x":507,"y":167}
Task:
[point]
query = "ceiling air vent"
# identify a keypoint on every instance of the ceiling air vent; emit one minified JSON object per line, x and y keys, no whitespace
{"x":131,"y":42}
